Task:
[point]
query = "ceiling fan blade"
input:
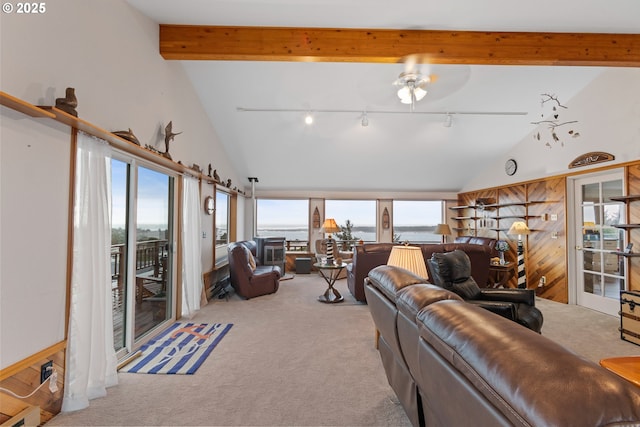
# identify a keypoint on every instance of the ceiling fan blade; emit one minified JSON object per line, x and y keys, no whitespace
{"x":413,"y":61}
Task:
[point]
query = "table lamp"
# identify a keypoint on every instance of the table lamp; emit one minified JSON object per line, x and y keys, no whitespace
{"x":330,"y":226}
{"x":520,"y":228}
{"x":410,"y":258}
{"x":444,"y":230}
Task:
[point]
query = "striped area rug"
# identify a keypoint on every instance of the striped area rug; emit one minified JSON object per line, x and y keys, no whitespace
{"x":180,"y":349}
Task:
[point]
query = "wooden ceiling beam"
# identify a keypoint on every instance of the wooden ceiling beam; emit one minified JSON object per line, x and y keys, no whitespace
{"x":189,"y":42}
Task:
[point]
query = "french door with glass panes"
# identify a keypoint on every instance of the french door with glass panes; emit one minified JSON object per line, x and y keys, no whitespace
{"x":142,"y":239}
{"x":601,"y":274}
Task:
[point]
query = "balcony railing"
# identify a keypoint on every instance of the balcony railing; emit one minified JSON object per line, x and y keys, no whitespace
{"x":149,"y":258}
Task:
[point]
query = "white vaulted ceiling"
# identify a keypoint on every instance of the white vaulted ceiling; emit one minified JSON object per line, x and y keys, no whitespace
{"x":398,"y":150}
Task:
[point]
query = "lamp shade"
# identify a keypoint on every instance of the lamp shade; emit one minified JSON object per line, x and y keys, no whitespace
{"x":519,"y":228}
{"x":442,"y":229}
{"x":330,"y":226}
{"x":410,"y":258}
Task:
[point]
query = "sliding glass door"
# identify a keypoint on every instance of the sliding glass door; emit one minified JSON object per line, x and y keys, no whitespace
{"x":153,"y":266}
{"x":141,"y":251}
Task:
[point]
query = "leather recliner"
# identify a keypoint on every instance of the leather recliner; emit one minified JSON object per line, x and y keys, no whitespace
{"x":251,"y":281}
{"x":452,"y":271}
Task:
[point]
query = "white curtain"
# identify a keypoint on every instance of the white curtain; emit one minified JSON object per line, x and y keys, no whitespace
{"x":191,"y":265}
{"x":91,"y":360}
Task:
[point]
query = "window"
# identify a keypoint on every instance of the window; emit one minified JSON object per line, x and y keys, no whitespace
{"x":361,"y":215}
{"x":415,"y":220}
{"x":288,"y":218}
{"x":222,"y":218}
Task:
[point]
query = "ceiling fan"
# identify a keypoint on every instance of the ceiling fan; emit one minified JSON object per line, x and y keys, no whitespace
{"x":412,"y":84}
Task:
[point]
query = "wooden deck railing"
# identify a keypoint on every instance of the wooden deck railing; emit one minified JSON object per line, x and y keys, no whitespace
{"x":149,"y":256}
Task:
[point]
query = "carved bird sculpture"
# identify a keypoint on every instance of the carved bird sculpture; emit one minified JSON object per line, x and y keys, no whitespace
{"x":69,"y":103}
{"x":168,"y":137}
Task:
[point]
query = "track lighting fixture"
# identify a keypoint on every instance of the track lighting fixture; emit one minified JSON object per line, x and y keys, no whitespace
{"x":308,"y":119}
{"x":448,"y":121}
{"x":365,"y":119}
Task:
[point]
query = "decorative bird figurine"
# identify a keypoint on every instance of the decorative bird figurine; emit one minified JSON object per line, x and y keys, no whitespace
{"x":69,"y":103}
{"x":216,"y":177}
{"x":168,"y":137}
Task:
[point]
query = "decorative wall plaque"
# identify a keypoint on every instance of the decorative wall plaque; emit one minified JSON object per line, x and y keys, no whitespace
{"x":591,"y":159}
{"x":385,"y":219}
{"x":316,"y":218}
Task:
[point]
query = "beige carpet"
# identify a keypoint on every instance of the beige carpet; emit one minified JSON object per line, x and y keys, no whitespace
{"x":290,"y":360}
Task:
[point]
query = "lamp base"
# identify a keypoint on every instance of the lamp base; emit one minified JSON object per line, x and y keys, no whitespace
{"x":522,"y":275}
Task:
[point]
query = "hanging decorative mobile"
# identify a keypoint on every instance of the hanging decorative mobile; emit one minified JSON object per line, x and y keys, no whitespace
{"x":553,"y":122}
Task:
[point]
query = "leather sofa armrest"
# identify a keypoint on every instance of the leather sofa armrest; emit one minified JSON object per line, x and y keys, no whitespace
{"x":524,"y":296}
{"x":502,"y":308}
{"x":266,"y":271}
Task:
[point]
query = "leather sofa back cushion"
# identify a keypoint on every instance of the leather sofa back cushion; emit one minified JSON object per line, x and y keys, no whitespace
{"x":412,"y":299}
{"x":390,"y":280}
{"x":529,"y":378}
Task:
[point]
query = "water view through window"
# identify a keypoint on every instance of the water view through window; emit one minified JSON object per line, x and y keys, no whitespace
{"x":415,"y":220}
{"x":283,"y":218}
{"x":361,"y":214}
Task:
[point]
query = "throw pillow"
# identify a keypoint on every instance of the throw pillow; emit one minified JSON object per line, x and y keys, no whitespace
{"x":251,"y":259}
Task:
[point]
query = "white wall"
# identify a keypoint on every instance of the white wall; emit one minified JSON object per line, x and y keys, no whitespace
{"x":34,"y":212}
{"x":608,"y":115}
{"x":108,"y":52}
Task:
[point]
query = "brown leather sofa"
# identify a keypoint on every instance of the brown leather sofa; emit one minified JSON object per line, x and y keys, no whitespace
{"x":452,"y":364}
{"x":371,"y":255}
{"x":247,"y":280}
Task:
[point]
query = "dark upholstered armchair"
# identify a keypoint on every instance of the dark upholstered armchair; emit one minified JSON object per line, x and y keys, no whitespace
{"x":452,"y":271}
{"x":248,"y":277}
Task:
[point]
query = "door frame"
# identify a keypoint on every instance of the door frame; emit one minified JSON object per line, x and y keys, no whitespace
{"x":574,"y":258}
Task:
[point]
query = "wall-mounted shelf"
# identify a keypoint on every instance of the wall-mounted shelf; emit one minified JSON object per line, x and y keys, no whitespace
{"x":627,"y":226}
{"x":51,"y":112}
{"x":462,"y":218}
{"x":626,"y":199}
{"x":456,"y":208}
{"x":626,"y":254}
{"x":23,"y":106}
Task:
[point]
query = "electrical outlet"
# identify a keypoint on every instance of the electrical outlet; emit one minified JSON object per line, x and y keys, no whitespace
{"x":46,"y":370}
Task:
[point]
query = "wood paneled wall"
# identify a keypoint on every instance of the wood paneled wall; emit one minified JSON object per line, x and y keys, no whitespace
{"x":25,"y":380}
{"x":633,"y":217}
{"x":544,"y":206}
{"x":546,"y":245}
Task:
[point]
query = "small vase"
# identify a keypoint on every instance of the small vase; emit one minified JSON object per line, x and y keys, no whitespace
{"x":502,"y":261}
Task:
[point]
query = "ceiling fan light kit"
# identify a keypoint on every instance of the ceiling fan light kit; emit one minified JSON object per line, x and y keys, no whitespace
{"x":413,"y":87}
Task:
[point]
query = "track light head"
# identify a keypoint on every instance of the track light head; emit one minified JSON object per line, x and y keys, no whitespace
{"x":448,"y":121}
{"x":308,"y":119}
{"x":365,"y":119}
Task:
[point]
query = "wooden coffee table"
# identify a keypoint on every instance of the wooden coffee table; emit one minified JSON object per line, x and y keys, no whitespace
{"x":626,"y":367}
